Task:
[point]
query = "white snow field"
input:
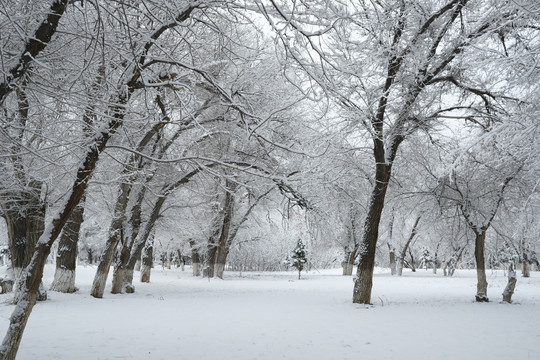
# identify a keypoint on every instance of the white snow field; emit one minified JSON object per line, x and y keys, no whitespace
{"x":274,"y":316}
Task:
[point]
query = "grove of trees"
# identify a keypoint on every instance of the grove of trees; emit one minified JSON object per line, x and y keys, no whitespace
{"x":397,"y":133}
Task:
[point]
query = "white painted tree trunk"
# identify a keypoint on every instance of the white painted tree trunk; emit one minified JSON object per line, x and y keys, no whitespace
{"x":399,"y":266}
{"x":219,"y":270}
{"x":347,"y":268}
{"x":64,"y":281}
{"x":510,"y":286}
{"x":196,"y":267}
{"x":146,"y":270}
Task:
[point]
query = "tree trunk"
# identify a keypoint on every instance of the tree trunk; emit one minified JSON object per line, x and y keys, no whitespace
{"x":412,"y":264}
{"x":102,"y":272}
{"x":16,"y":224}
{"x":399,"y":266}
{"x":348,"y":264}
{"x":115,"y":236}
{"x":510,"y":286}
{"x":123,"y":270}
{"x":482,"y":284}
{"x":224,"y":241}
{"x":117,"y":226}
{"x":66,"y":258}
{"x":195,"y":259}
{"x":347,"y":268}
{"x":391,"y":249}
{"x":125,"y":275}
{"x":121,"y":273}
{"x":392,"y":255}
{"x":525,"y":272}
{"x":147,"y":260}
{"x":126,"y":267}
{"x":210,"y":259}
{"x":25,"y":225}
{"x":364,"y":273}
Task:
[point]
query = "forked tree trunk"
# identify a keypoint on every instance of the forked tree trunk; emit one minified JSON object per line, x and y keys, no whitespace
{"x":123,"y":271}
{"x":114,"y":238}
{"x":406,"y":247}
{"x":117,"y":225}
{"x":230,"y":230}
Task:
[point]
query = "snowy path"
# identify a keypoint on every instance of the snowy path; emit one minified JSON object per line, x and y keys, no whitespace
{"x":275,"y":316}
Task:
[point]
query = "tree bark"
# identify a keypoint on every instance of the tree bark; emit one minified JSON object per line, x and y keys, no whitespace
{"x":66,"y":258}
{"x":25,"y":220}
{"x":122,"y":271}
{"x":147,"y":261}
{"x":364,"y":273}
{"x":392,"y":255}
{"x":16,"y":225}
{"x":482,"y":284}
{"x":348,"y":264}
{"x":391,"y":248}
{"x":525,"y":272}
{"x":195,"y":259}
{"x":213,"y":240}
{"x":102,"y":272}
{"x":412,"y":264}
{"x":224,"y":241}
{"x":511,"y":285}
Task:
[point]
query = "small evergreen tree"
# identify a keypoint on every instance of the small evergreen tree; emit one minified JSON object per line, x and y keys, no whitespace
{"x":426,"y":258}
{"x":298,"y":257}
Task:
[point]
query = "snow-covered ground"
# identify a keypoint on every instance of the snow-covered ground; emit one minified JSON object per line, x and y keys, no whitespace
{"x":275,"y":316}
